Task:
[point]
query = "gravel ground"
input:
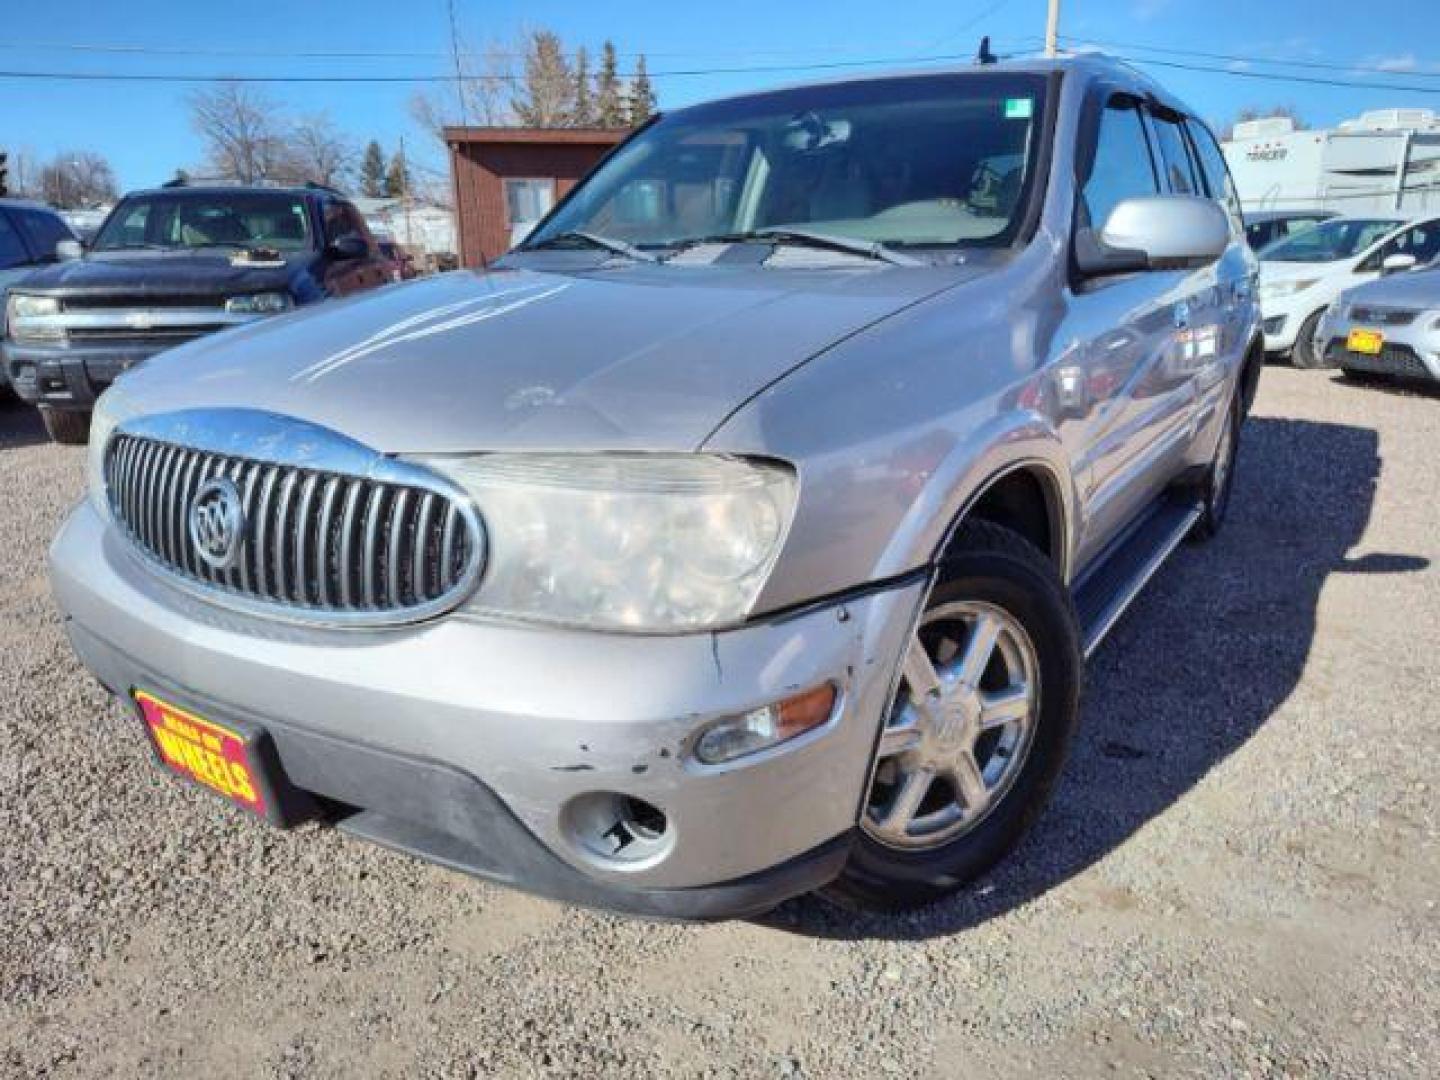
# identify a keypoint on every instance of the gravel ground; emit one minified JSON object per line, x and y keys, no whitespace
{"x":1239,"y":875}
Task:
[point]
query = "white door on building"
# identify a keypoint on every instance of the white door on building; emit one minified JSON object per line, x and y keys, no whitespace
{"x":526,"y":202}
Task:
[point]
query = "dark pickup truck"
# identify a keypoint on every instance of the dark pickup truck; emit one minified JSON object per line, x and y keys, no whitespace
{"x":168,"y":266}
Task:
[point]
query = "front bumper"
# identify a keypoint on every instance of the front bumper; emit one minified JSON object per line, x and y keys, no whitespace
{"x":72,"y":376}
{"x":1411,"y":351}
{"x":465,"y":741}
{"x":1283,"y":317}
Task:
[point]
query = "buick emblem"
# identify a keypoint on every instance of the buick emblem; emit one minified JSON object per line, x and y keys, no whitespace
{"x":217,"y":523}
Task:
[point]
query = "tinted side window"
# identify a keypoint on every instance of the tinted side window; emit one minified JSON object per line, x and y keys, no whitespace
{"x":1212,"y":164}
{"x":12,"y":251}
{"x":43,"y":231}
{"x":1123,"y":168}
{"x":1175,"y":158}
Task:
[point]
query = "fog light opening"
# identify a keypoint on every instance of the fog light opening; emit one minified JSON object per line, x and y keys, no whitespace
{"x":619,"y":832}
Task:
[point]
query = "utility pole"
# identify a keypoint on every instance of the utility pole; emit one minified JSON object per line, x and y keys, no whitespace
{"x":405,"y":192}
{"x":1052,"y":29}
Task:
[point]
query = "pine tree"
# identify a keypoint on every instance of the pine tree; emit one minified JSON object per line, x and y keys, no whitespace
{"x":398,"y":181}
{"x":609,"y":106}
{"x":642,"y":95}
{"x":372,"y":171}
{"x":548,"y":94}
{"x":584,"y":115}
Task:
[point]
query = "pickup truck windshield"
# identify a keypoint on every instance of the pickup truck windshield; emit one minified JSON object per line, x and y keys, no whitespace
{"x":221,"y":219}
{"x":1329,"y":241}
{"x":920,"y":161}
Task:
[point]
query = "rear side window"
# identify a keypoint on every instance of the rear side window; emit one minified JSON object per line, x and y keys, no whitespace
{"x":1123,"y":168}
{"x":12,"y":251}
{"x":1212,"y":164}
{"x":1175,"y":160}
{"x":42,"y":231}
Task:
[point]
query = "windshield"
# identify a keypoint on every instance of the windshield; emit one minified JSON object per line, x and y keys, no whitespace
{"x":1329,"y":241}
{"x":920,"y":161}
{"x":222,"y":219}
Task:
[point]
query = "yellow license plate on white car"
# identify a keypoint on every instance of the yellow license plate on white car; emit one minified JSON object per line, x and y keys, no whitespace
{"x":1367,"y":342}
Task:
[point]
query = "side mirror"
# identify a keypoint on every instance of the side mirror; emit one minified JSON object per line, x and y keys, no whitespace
{"x":1398,"y":264}
{"x":68,"y":250}
{"x":348,"y":247}
{"x":1155,"y":232}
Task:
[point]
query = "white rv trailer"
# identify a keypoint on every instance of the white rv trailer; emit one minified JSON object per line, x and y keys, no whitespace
{"x":1385,"y":162}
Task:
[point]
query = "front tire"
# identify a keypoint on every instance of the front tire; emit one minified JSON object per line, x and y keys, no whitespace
{"x":1303,"y":355}
{"x":67,"y":427}
{"x":988,"y":702}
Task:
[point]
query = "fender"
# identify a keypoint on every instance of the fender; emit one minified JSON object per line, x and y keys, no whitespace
{"x":1023,"y":440}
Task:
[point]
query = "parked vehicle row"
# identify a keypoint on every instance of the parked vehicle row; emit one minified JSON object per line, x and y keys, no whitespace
{"x":741,"y":534}
{"x":1303,"y":274}
{"x":168,"y":266}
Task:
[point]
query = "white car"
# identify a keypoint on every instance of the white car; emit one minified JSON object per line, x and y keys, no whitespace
{"x":1302,"y":274}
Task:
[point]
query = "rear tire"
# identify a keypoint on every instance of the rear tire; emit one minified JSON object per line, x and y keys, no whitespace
{"x":1303,"y":355}
{"x":989,"y":696}
{"x":65,"y":426}
{"x":1219,"y":478}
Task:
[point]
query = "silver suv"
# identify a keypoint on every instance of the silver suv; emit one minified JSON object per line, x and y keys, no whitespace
{"x":741,"y":534}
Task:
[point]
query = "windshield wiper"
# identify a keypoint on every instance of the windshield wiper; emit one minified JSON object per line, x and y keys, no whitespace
{"x":595,"y":240}
{"x":784,"y":234}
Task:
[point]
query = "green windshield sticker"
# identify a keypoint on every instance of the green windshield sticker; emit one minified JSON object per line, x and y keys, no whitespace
{"x":1018,"y":108}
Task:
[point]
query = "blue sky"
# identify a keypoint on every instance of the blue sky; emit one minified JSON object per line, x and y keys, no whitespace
{"x":144,"y":128}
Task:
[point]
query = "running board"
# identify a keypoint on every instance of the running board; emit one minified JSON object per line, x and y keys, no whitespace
{"x":1114,"y":583}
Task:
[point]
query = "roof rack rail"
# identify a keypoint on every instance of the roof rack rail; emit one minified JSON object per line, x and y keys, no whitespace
{"x":316,"y":186}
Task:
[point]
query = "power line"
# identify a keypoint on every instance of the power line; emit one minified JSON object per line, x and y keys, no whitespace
{"x":1271,"y":76}
{"x":115,"y":76}
{"x":1316,"y":65}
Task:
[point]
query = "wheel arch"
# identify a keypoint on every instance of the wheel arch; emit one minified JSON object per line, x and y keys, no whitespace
{"x":1026,"y":496}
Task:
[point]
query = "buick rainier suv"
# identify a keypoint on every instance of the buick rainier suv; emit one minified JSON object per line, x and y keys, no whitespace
{"x":740,"y":534}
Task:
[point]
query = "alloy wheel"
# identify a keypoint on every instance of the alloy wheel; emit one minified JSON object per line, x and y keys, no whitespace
{"x":960,"y":730}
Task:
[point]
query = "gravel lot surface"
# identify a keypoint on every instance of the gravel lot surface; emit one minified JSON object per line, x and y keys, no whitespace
{"x":1239,"y":875}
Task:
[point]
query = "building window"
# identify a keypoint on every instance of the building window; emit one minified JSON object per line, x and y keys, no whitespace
{"x":526,"y":202}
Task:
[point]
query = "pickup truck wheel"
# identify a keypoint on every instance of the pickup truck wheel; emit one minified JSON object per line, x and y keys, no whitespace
{"x":65,"y":426}
{"x":988,"y":700}
{"x":1303,"y":355}
{"x":1219,"y":479}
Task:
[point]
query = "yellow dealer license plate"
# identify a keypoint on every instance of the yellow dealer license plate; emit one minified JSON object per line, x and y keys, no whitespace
{"x":203,"y":751}
{"x":1368,"y":342}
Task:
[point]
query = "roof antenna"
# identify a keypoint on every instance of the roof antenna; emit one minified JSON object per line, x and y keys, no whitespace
{"x":985,"y":56}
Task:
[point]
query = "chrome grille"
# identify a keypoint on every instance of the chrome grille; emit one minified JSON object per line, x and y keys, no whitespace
{"x":314,"y":542}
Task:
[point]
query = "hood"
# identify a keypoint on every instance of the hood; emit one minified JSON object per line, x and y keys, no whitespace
{"x":643,"y":357}
{"x":1297,"y":271}
{"x":1419,"y":290}
{"x":161,"y":273}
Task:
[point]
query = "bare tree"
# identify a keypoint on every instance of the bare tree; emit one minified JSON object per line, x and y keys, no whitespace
{"x":481,"y":96}
{"x":77,"y":179}
{"x":244,"y":133}
{"x":547,"y":95}
{"x":320,"y":152}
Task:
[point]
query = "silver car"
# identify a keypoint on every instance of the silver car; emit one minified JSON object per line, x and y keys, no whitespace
{"x":1388,"y":327}
{"x":741,"y":534}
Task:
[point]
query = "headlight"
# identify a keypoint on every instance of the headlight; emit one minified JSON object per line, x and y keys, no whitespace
{"x":265,"y":303}
{"x":112,"y":408}
{"x":646,"y":542}
{"x":1274,"y":290}
{"x":27,"y":318}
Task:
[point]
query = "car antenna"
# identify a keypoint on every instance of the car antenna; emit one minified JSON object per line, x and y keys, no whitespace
{"x":985,"y":56}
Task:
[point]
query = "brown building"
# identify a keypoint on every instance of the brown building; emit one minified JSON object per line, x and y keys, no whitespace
{"x":507,"y":178}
